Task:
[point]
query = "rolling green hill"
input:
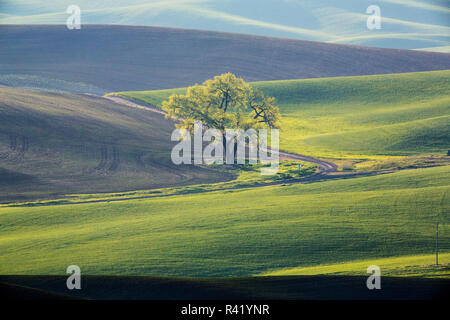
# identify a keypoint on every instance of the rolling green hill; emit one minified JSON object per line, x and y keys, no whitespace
{"x":357,"y":117}
{"x":105,"y":58}
{"x":235,"y":233}
{"x":53,"y":144}
{"x":325,"y":233}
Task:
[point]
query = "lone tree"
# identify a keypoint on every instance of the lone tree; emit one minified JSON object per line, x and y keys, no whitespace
{"x":225,"y":102}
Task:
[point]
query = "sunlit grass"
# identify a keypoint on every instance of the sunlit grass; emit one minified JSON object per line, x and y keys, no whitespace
{"x":234,"y":233}
{"x":408,"y":266}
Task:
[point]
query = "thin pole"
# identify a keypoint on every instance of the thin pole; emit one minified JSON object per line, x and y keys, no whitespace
{"x":437,"y":248}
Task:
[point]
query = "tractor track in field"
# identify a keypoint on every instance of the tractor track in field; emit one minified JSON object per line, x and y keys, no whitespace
{"x":18,"y":147}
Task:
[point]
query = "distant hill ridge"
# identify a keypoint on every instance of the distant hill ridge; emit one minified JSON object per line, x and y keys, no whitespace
{"x":104,"y":58}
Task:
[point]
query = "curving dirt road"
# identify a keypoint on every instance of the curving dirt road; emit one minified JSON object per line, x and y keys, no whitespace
{"x":133,"y":104}
{"x":323,"y":165}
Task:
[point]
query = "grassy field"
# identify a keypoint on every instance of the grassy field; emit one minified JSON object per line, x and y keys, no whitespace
{"x":255,"y":242}
{"x":235,"y":233}
{"x":52,"y":144}
{"x":409,"y":266}
{"x":367,"y":117}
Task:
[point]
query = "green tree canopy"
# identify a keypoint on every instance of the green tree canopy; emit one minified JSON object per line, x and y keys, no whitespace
{"x":225,"y":102}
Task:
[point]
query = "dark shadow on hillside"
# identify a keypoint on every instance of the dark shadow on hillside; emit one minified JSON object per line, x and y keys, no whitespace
{"x":256,"y":288}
